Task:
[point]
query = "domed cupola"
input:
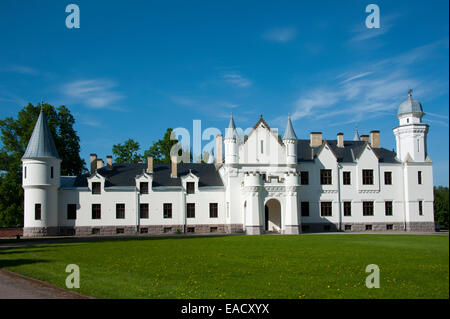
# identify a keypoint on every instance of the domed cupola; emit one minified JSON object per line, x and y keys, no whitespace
{"x":410,"y":106}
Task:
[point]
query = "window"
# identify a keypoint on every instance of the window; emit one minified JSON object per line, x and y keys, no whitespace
{"x":190,"y":187}
{"x":120,"y":211}
{"x":51,"y":172}
{"x":388,"y":178}
{"x":71,"y":211}
{"x":368,"y":227}
{"x":304,"y":207}
{"x":25,"y":172}
{"x":420,"y":208}
{"x":348,"y":227}
{"x":389,"y":227}
{"x":346,"y":178}
{"x":262,"y":147}
{"x":305,"y":228}
{"x":367,"y":208}
{"x":167,"y":207}
{"x":143,"y":230}
{"x":143,"y":186}
{"x":167,"y":230}
{"x":213,"y":229}
{"x":325,"y":209}
{"x":143,"y":209}
{"x":347,"y":208}
{"x":304,"y":178}
{"x":191,"y":229}
{"x":367,"y":176}
{"x":37,"y":211}
{"x":96,"y":188}
{"x":213,"y":210}
{"x":325,"y":176}
{"x":96,"y":211}
{"x":419,"y":177}
{"x":388,"y":208}
{"x":95,"y":231}
{"x":190,"y":211}
{"x":120,"y":230}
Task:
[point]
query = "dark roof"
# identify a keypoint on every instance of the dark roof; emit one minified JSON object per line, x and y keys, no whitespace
{"x":41,"y":144}
{"x":346,"y":154}
{"x":125,"y":174}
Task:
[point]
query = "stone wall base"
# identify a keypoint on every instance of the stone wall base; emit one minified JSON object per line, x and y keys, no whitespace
{"x":368,"y":227}
{"x":40,"y":231}
{"x":292,"y":230}
{"x":254,"y":230}
{"x":132,"y":230}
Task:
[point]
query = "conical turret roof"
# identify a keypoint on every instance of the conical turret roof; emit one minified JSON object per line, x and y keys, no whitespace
{"x":289,"y":133}
{"x":356,"y":137}
{"x":231,"y":130}
{"x":41,"y":143}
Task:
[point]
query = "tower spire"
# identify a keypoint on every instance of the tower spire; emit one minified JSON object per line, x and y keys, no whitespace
{"x":356,"y":137}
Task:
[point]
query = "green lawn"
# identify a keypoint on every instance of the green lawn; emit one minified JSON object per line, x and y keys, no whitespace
{"x":270,"y":266}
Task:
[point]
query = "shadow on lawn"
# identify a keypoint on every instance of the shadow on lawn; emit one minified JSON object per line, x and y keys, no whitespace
{"x":6,"y":263}
{"x":30,"y":242}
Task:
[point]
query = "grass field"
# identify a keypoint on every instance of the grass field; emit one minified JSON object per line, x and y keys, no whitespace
{"x":270,"y":266}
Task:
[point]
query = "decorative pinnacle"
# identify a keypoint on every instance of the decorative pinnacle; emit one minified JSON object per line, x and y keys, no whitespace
{"x":410,"y":92}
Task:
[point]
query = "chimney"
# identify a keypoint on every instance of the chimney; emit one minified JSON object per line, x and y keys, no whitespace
{"x":149,"y":164}
{"x":219,"y":155}
{"x":365,"y":138}
{"x":173,"y":172}
{"x":315,"y":139}
{"x":100,"y":163}
{"x":375,"y":138}
{"x":340,"y":139}
{"x":109,"y":161}
{"x":93,"y":163}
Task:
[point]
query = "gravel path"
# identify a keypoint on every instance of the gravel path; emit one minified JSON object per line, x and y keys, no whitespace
{"x":15,"y":286}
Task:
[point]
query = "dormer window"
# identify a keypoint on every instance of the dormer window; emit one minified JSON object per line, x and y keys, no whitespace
{"x":190,"y":187}
{"x":96,"y":188}
{"x":143,"y":187}
{"x":51,"y":172}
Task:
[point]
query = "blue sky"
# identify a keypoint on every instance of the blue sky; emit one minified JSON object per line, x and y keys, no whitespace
{"x":135,"y":68}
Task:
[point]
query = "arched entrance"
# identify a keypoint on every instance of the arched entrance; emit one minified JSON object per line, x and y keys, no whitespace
{"x":272,"y":216}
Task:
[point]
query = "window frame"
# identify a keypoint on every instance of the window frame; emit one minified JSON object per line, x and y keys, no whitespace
{"x":346,"y":178}
{"x":304,"y":213}
{"x":349,"y":207}
{"x":96,"y":211}
{"x":304,"y":177}
{"x":37,"y":211}
{"x":213,"y":210}
{"x":387,"y":181}
{"x":141,"y":216}
{"x":324,"y":209}
{"x":143,"y":189}
{"x":70,"y":211}
{"x":190,"y":210}
{"x":388,"y":208}
{"x":326,"y":176}
{"x":96,"y":188}
{"x":368,"y":205}
{"x":120,"y":210}
{"x":190,"y":187}
{"x":167,"y":210}
{"x":367,"y":180}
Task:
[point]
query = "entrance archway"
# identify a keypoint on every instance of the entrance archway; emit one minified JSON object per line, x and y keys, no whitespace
{"x":272,"y":216}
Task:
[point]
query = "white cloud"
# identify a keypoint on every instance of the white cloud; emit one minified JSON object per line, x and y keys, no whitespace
{"x":21,"y":69}
{"x":94,"y":93}
{"x":237,"y":80}
{"x":368,"y":93}
{"x":280,"y":35}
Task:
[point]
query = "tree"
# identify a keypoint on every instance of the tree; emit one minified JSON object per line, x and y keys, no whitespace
{"x":127,"y":152}
{"x":441,"y":206}
{"x":14,"y":137}
{"x":160,"y":150}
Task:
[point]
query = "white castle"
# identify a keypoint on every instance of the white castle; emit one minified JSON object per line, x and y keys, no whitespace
{"x":264,"y":184}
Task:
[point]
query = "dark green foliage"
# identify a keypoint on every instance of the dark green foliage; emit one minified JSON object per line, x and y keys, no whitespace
{"x":127,"y":152}
{"x":441,"y":206}
{"x":160,"y":150}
